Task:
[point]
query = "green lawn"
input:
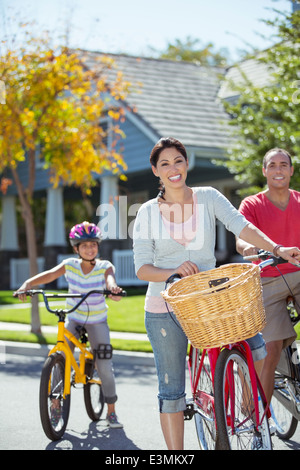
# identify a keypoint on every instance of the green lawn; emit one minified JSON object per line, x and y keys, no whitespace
{"x":126,"y":315}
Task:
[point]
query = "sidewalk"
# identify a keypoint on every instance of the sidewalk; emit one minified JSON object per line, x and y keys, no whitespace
{"x":53,"y":329}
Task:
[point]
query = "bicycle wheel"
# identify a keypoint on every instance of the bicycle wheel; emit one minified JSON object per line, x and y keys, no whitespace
{"x":282,"y":400}
{"x":203,"y":400}
{"x":234,"y":406}
{"x":93,"y":394}
{"x":54,"y":409}
{"x":286,"y":424}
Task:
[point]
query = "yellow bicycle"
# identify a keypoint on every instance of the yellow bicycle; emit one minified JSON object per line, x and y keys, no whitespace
{"x":61,"y":371}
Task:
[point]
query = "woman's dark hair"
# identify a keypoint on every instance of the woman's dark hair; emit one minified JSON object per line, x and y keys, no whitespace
{"x":163,"y":143}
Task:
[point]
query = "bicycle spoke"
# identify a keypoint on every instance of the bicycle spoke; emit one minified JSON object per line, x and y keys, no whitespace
{"x":202,"y":387}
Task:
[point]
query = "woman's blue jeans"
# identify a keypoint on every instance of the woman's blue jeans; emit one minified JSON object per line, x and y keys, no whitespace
{"x":169,"y":344}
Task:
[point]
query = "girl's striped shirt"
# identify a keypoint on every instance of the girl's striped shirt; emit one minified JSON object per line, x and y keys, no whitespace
{"x":94,"y":309}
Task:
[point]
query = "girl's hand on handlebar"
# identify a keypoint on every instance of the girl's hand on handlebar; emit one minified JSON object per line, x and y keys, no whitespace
{"x":21,"y":292}
{"x":115,"y":290}
{"x":291,"y":254}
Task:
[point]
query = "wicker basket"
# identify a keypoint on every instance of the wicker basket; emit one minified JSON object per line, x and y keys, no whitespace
{"x":228,"y":311}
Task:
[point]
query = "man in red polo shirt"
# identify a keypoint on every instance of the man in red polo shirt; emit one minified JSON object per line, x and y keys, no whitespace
{"x":276,"y":212}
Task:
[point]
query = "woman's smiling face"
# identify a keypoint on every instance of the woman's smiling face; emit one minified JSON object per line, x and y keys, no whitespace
{"x":171,"y":168}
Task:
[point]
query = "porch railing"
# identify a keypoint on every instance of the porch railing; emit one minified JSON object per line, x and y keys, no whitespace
{"x":122,"y":260}
{"x":19,"y":270}
{"x":125,"y":273}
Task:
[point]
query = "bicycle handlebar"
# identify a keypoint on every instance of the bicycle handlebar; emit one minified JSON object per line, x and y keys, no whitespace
{"x":82,"y":297}
{"x":268,"y":259}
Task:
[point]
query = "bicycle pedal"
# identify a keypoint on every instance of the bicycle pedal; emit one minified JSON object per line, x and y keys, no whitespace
{"x":188,"y":412}
{"x":104,"y":351}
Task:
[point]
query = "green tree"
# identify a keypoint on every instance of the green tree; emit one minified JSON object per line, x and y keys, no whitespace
{"x":268,"y":116}
{"x":52,"y":110}
{"x":191,"y":50}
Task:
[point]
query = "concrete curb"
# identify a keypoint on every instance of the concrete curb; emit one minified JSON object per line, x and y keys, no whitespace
{"x":42,"y":350}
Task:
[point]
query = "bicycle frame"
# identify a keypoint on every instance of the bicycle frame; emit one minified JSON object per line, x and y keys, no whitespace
{"x":203,"y":399}
{"x":62,"y":344}
{"x":244,"y":348}
{"x":205,"y":402}
{"x":63,"y":347}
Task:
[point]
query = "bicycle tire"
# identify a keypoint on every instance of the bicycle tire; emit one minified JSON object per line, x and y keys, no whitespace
{"x":234,"y":406}
{"x":286,"y":423}
{"x":204,"y":418}
{"x":52,"y":382}
{"x":93,"y":394}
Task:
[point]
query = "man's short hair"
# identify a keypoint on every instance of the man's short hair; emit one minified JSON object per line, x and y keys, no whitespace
{"x":277,"y":150}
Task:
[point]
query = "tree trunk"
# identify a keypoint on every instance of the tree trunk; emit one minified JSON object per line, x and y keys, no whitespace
{"x":33,"y":266}
{"x":27,"y":215}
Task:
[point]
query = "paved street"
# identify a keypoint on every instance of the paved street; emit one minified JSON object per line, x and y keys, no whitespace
{"x":20,"y":426}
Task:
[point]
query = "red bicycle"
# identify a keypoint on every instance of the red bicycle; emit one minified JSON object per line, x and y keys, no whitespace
{"x":228,"y":403}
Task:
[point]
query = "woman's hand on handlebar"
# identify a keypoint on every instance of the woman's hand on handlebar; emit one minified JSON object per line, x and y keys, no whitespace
{"x":187,"y":269}
{"x":291,"y":254}
{"x":250,"y":251}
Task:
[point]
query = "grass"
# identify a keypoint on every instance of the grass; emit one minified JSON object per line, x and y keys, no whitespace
{"x":126,"y":315}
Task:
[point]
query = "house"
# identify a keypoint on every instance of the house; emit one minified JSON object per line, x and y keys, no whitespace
{"x":178,"y":99}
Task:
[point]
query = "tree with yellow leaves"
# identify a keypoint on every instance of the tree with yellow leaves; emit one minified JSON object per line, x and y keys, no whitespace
{"x":52,"y":110}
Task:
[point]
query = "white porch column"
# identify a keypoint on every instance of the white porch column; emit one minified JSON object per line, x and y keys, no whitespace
{"x":55,"y":218}
{"x":108,"y":210}
{"x":9,"y":230}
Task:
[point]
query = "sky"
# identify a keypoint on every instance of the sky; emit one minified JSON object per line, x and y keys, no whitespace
{"x":140,"y":27}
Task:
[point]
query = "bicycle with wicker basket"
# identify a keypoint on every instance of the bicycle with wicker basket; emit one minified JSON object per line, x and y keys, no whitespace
{"x":218,"y":310}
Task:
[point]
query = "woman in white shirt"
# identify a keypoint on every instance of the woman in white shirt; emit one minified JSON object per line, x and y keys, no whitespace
{"x":175,"y":233}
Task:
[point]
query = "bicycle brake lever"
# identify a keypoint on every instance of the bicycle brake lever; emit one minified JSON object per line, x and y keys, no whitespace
{"x":263,"y":254}
{"x":175,"y":277}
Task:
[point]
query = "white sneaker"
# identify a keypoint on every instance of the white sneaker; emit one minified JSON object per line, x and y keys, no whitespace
{"x":112,"y":421}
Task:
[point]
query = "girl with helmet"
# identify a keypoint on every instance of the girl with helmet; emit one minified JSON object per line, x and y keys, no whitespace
{"x":83,"y":274}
